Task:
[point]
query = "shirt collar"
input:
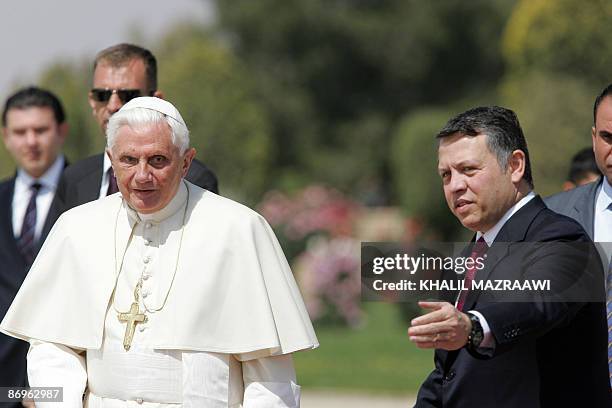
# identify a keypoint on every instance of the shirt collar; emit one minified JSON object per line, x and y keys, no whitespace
{"x":491,"y":234}
{"x":48,"y":180}
{"x":604,"y":197}
{"x":177,"y":202}
{"x":106,"y":164}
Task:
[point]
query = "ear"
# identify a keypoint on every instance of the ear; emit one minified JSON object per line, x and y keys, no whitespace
{"x":187,"y":159}
{"x":5,"y":136}
{"x":516,"y":166}
{"x":92,"y":102}
{"x":158,"y":94}
{"x":63,"y":131}
{"x":593,"y":136}
{"x":568,"y":185}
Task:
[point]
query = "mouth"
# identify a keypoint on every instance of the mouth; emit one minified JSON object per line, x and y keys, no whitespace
{"x":462,"y":205}
{"x":143,"y":193}
{"x":33,"y":155}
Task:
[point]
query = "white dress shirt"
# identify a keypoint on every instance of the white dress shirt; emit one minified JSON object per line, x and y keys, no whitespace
{"x":602,"y":227}
{"x":106,"y":164}
{"x":22,"y":194}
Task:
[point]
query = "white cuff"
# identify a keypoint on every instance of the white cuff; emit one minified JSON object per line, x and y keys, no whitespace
{"x":272,"y":395}
{"x":55,"y":365}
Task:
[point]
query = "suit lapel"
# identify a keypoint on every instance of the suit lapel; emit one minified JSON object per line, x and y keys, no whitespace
{"x":88,"y":188}
{"x":584,"y":209}
{"x":55,"y":210}
{"x":514,"y":230}
{"x":6,"y":218}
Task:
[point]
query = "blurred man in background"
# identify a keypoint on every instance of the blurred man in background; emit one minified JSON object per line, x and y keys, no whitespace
{"x":33,"y":130}
{"x":583,"y":169}
{"x":121,"y":73}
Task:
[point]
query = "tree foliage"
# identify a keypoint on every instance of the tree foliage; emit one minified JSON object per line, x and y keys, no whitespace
{"x":335,"y":76}
{"x":558,"y":56}
{"x":214,"y":93}
{"x":415,"y":162}
{"x":71,"y":83}
{"x":568,"y":37}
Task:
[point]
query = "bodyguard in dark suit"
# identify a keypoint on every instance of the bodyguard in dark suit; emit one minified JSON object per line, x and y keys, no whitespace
{"x":121,"y":73}
{"x":34,"y":130}
{"x":591,"y":204}
{"x":492,"y":353}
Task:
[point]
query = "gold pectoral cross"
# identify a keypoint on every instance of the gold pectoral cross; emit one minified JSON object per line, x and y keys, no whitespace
{"x":132,"y":318}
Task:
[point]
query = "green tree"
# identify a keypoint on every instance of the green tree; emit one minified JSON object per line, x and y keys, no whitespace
{"x":558,"y":56}
{"x":555,"y":112}
{"x":414,"y":160}
{"x":217,"y":100}
{"x":568,"y":37}
{"x":335,"y":76}
{"x":71,"y":82}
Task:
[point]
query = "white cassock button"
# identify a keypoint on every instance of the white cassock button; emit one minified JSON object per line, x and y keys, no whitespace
{"x":142,"y":328}
{"x":148,"y":242}
{"x":146,"y":259}
{"x":148,"y":225}
{"x":145,"y":294}
{"x":145,"y":276}
{"x":139,"y":400}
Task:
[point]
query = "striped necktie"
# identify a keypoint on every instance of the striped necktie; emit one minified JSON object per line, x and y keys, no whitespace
{"x":27,"y":240}
{"x":112,"y":182}
{"x":478,"y":250}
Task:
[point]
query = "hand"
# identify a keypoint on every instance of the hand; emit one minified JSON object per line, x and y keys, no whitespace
{"x":444,"y":327}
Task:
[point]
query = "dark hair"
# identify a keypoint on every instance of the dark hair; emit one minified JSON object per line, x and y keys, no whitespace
{"x":582,"y":164}
{"x":607,"y":91}
{"x":34,"y":97}
{"x":502,"y":128}
{"x":120,"y":54}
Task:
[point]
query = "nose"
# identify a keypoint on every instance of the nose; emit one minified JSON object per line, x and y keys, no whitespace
{"x":31,"y":138}
{"x":114,"y":103}
{"x":457,"y":183}
{"x":143,"y":175}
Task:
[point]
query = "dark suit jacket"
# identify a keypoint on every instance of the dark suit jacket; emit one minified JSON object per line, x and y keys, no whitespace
{"x":81,"y":182}
{"x":578,"y":203}
{"x":13,"y":269}
{"x":547,"y":354}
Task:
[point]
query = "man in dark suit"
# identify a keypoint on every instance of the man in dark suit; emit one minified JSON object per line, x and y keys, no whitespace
{"x":33,"y":130}
{"x":496,"y":352}
{"x":121,"y":72}
{"x":591,"y":204}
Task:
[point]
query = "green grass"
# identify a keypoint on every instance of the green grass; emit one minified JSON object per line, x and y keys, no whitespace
{"x":377,"y":357}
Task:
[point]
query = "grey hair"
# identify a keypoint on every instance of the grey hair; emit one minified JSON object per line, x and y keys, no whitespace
{"x":143,"y":116}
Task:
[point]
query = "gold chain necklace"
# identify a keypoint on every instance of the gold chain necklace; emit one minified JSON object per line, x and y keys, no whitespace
{"x":134,"y":316}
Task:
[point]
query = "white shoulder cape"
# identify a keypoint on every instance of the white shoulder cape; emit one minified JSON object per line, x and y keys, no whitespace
{"x":233,"y":291}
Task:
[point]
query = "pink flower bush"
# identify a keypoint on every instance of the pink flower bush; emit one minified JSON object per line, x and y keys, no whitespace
{"x":320,"y":231}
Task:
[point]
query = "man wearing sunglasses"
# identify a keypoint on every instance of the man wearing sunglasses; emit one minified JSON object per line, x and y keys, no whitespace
{"x":121,"y":72}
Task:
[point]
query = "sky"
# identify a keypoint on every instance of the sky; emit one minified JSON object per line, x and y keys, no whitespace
{"x":36,"y":33}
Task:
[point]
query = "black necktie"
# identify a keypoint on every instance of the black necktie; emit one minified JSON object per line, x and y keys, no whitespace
{"x":27,"y":240}
{"x":112,"y":183}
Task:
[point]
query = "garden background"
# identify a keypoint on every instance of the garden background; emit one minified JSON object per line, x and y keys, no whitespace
{"x":322,"y":115}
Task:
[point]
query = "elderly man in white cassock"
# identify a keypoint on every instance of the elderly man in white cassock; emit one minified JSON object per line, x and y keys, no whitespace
{"x":165,"y":295}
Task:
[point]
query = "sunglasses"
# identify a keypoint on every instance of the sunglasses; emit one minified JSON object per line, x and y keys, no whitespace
{"x":125,"y":95}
